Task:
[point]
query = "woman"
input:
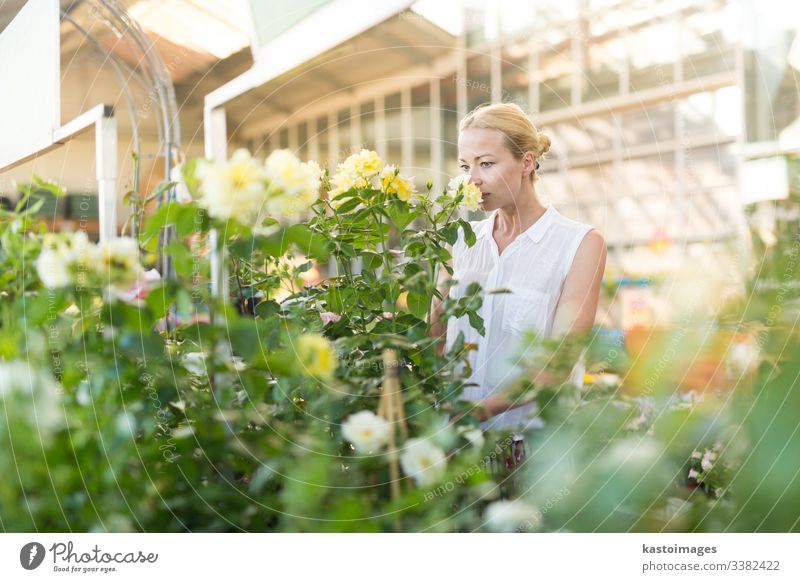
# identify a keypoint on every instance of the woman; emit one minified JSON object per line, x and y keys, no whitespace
{"x":552,"y":265}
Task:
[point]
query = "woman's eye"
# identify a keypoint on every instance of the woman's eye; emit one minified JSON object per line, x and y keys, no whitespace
{"x":486,"y":164}
{"x":465,"y":168}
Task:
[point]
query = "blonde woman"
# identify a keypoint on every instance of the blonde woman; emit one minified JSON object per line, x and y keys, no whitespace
{"x":552,"y":265}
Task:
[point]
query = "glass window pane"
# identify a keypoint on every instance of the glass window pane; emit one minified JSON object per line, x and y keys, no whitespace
{"x":475,"y":21}
{"x":368,"y":125}
{"x":343,"y":126}
{"x":449,"y":130}
{"x":604,"y":62}
{"x":421,"y":163}
{"x":323,"y":140}
{"x":394,"y":137}
{"x":772,"y":95}
{"x":649,"y":174}
{"x":591,"y":183}
{"x":648,"y":125}
{"x":716,"y":113}
{"x":709,"y":35}
{"x":283,"y":138}
{"x":265,"y":148}
{"x":711,"y":166}
{"x":515,"y":73}
{"x":515,"y":15}
{"x":555,"y":79}
{"x":591,"y":135}
{"x":479,"y":84}
{"x":651,"y":51}
{"x":302,"y":140}
{"x":555,"y":12}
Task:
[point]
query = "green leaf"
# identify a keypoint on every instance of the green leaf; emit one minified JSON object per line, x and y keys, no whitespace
{"x":160,"y":189}
{"x":415,"y":248}
{"x":348,"y":205}
{"x":451,"y":233}
{"x":159,"y":300}
{"x":164,"y":216}
{"x":476,"y":321}
{"x":274,"y":245}
{"x":48,"y":186}
{"x":469,"y":234}
{"x":400,"y":214}
{"x":333,"y":299}
{"x":372,"y":260}
{"x":418,"y":304}
{"x":310,"y":243}
{"x":189,"y":220}
{"x":267,"y":309}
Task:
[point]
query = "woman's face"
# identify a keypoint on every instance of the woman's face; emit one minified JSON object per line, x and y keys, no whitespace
{"x":492,"y":167}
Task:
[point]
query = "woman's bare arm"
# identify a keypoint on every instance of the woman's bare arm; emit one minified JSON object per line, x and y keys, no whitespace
{"x":577,"y":306}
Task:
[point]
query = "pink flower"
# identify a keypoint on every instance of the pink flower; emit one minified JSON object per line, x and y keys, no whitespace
{"x":141,"y":288}
{"x":329,"y":316}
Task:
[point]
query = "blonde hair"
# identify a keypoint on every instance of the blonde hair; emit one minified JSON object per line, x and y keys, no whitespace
{"x":508,"y":118}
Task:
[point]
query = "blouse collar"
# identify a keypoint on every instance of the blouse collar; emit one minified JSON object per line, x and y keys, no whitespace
{"x":535,"y":232}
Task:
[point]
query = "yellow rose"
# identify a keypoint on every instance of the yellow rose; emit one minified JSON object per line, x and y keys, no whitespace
{"x":393,"y":183}
{"x":316,"y":355}
{"x":367,"y":164}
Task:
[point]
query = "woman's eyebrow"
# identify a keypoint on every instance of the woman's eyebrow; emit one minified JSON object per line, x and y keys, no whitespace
{"x":476,"y":157}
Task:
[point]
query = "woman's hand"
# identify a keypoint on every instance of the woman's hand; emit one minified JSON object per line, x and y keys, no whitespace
{"x":476,"y":410}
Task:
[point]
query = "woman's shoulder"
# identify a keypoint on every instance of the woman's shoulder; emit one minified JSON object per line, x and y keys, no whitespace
{"x":565,"y":224}
{"x":580,"y":236}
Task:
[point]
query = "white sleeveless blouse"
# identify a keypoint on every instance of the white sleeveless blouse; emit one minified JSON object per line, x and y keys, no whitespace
{"x":533,"y":267}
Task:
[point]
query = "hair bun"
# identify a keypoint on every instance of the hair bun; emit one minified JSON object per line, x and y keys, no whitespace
{"x":544,"y":144}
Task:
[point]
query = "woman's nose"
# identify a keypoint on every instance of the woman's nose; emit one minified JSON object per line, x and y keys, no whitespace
{"x":475,"y":178}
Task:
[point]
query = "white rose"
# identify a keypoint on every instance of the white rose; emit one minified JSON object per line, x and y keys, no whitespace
{"x":233,"y":189}
{"x":367,"y":431}
{"x":423,"y":461}
{"x":743,"y":358}
{"x":118,"y":264}
{"x":511,"y":516}
{"x":30,"y":396}
{"x":52,"y":269}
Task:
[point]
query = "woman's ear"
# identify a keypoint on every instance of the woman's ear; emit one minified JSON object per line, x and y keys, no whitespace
{"x":528,"y":164}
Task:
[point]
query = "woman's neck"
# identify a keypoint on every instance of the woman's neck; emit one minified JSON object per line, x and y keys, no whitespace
{"x":518,"y":217}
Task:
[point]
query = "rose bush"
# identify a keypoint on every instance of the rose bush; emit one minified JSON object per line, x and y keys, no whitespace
{"x":179,"y":409}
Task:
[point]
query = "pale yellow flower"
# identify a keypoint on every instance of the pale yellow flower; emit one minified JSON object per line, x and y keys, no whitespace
{"x":316,"y":355}
{"x":118,"y":262}
{"x":233,"y":189}
{"x":357,"y":171}
{"x":367,"y":164}
{"x":393,"y":183}
{"x":293,"y":185}
{"x":472,"y":194}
